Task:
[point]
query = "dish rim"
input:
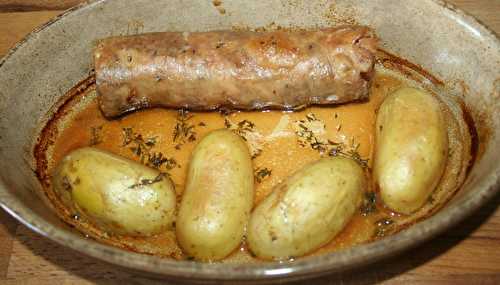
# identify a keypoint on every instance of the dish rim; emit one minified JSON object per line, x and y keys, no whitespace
{"x":303,"y":267}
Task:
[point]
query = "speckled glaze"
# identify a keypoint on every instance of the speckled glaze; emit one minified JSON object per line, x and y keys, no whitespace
{"x":38,"y":71}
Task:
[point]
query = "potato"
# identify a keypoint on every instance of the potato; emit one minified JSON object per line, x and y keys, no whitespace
{"x":218,"y":197}
{"x":308,"y":210}
{"x":119,"y":195}
{"x":411,"y":149}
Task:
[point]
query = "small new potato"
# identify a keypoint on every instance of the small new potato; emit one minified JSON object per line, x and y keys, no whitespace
{"x":218,"y":197}
{"x":411,"y":149}
{"x":119,"y":195}
{"x":308,"y":210}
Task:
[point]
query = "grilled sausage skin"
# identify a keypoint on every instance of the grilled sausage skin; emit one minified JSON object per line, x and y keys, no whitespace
{"x":234,"y":69}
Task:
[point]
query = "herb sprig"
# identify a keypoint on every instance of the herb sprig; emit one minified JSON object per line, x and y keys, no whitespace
{"x":241,"y":128}
{"x":246,"y":130}
{"x":310,"y":133}
{"x":183,"y":131}
{"x":145,"y":182}
{"x":95,"y":135}
{"x":143,"y":148}
{"x":369,"y":205}
{"x":261,"y":174}
{"x":353,"y":153}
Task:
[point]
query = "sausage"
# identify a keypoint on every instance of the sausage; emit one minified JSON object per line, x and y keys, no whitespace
{"x":234,"y":69}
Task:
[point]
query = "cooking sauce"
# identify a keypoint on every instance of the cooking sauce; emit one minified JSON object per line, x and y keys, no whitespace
{"x":279,"y":152}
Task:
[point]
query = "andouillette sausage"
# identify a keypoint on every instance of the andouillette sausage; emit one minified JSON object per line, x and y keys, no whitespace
{"x":234,"y":69}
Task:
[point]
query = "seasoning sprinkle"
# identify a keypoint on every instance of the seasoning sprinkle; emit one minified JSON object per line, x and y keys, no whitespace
{"x":261,"y":174}
{"x":369,"y":205}
{"x":145,"y":182}
{"x":143,"y":148}
{"x":95,"y":135}
{"x":246,"y":130}
{"x":183,"y":131}
{"x":311,"y":131}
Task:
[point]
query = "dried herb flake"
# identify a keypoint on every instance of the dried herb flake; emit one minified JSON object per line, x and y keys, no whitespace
{"x":261,"y":174}
{"x":369,"y":205}
{"x":184,"y":131}
{"x":95,"y":135}
{"x":309,"y":133}
{"x":143,"y":148}
{"x":145,"y":182}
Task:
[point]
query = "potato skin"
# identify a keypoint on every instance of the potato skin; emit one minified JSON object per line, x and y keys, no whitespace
{"x":218,"y":197}
{"x":110,"y":191}
{"x":411,"y":149}
{"x":306,"y":211}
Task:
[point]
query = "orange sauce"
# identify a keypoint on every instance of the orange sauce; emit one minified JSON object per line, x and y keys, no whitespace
{"x":282,"y":155}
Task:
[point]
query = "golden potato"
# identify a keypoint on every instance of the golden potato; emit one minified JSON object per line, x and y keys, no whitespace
{"x":119,"y":195}
{"x":411,"y":149}
{"x":218,"y":197}
{"x":307,"y":210}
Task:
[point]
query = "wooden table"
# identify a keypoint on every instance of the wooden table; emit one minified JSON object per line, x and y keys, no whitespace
{"x":467,"y":254}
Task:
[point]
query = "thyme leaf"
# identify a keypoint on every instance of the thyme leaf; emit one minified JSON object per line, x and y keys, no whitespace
{"x":246,"y":130}
{"x":431,"y":199}
{"x":128,"y":135}
{"x":183,"y":131}
{"x":95,"y":135}
{"x":261,"y":174}
{"x":310,"y":132}
{"x":143,"y":148}
{"x":145,"y":182}
{"x":354,"y":154}
{"x":226,"y":112}
{"x":369,"y":205}
{"x":156,"y":160}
